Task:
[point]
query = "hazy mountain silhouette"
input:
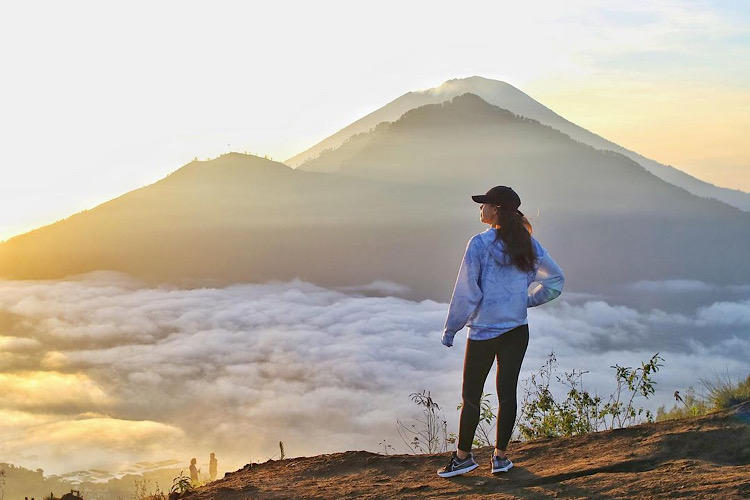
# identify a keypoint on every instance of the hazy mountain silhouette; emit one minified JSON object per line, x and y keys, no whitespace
{"x":241,"y":218}
{"x":97,"y":484}
{"x":398,"y":209}
{"x":508,"y":97}
{"x":604,"y":214}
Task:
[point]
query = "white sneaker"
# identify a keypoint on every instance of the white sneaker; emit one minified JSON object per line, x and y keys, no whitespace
{"x":456,"y":466}
{"x":500,"y":464}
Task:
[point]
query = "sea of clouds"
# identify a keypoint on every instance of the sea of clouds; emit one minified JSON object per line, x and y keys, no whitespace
{"x":101,"y":371}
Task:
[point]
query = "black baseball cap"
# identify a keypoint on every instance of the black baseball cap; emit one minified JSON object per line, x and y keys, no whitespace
{"x":502,"y":196}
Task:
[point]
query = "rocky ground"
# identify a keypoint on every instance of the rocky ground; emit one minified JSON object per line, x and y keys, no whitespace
{"x":707,"y":457}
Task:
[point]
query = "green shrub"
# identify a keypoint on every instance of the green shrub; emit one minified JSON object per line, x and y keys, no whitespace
{"x":719,"y":393}
{"x":723,"y":393}
{"x":691,"y":405}
{"x":542,"y":415}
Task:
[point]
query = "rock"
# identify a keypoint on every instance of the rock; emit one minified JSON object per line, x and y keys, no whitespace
{"x":73,"y":495}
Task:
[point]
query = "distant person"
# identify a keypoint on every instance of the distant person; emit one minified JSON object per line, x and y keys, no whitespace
{"x":491,"y":296}
{"x":212,"y":466}
{"x":194,"y":471}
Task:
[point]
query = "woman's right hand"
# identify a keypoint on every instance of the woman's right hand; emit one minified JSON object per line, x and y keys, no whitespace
{"x":447,"y":340}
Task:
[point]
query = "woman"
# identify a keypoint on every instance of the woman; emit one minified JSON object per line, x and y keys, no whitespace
{"x":491,"y":296}
{"x":194,"y":471}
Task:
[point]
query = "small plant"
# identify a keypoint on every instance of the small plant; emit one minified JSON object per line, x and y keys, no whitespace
{"x":181,"y":484}
{"x":142,"y":491}
{"x":386,"y":446}
{"x":638,"y":382}
{"x":429,"y":434}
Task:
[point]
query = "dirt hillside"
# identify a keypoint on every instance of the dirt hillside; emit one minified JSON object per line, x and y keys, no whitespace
{"x":707,"y":457}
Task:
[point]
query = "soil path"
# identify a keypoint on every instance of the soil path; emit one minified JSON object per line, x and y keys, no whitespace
{"x":707,"y":457}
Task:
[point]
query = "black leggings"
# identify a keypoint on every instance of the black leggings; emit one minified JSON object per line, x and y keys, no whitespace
{"x":509,"y":349}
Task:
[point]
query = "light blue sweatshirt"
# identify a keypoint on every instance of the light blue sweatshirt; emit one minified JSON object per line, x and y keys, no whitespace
{"x":491,"y":296}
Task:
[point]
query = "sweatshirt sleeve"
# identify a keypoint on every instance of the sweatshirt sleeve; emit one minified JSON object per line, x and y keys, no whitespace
{"x":549,"y":278}
{"x":467,"y":292}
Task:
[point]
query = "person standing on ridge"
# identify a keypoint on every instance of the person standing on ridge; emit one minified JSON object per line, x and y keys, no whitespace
{"x":212,"y":466}
{"x":491,"y":296}
{"x":194,"y":471}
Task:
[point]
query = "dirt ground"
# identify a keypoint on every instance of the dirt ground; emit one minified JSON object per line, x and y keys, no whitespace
{"x":707,"y":457}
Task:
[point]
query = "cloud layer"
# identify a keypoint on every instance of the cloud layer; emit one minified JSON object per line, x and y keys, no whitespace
{"x":109,"y":372}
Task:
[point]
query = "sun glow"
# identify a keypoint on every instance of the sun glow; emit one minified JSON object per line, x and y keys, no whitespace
{"x":41,"y":389}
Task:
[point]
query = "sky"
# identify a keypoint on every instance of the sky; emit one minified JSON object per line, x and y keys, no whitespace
{"x":98,"y":98}
{"x":102,"y":371}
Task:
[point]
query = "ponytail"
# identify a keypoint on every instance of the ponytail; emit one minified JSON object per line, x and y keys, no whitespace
{"x":515,"y":231}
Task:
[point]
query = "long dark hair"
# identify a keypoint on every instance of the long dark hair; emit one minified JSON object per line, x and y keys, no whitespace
{"x":515,"y":231}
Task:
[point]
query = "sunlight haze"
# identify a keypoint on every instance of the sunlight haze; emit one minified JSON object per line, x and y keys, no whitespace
{"x":100,"y":99}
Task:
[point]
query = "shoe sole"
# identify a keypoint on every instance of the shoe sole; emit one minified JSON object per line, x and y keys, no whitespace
{"x":458,"y":472}
{"x":503,"y":469}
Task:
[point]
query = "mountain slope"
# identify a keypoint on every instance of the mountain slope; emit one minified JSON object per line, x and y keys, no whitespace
{"x":706,"y":457}
{"x":398,"y":209}
{"x":240,"y":218}
{"x":594,"y":207}
{"x":508,"y":97}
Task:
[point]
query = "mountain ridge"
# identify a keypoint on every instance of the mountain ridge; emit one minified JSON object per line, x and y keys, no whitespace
{"x":453,"y":117}
{"x":508,"y":97}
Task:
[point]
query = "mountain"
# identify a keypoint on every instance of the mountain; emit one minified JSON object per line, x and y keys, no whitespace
{"x":605,"y":216}
{"x":19,"y":482}
{"x":707,"y":457}
{"x":398,"y":209}
{"x":240,"y":218}
{"x":508,"y":97}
